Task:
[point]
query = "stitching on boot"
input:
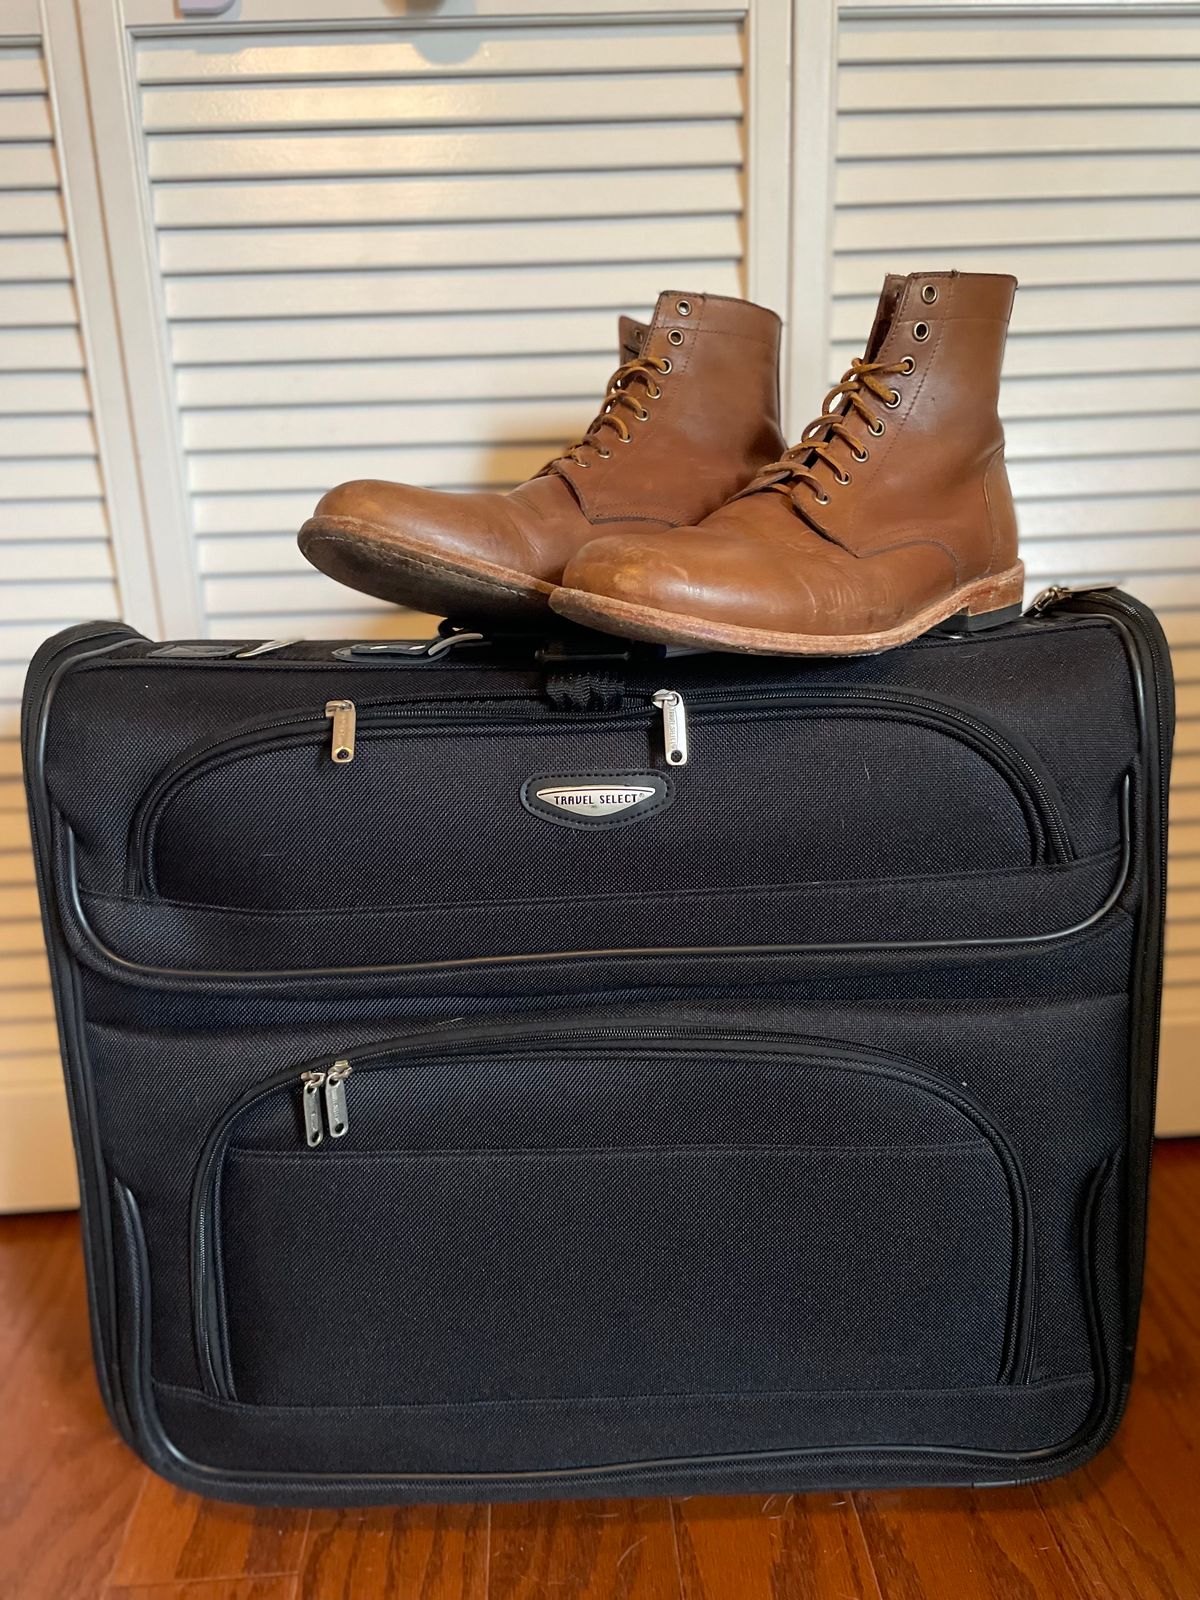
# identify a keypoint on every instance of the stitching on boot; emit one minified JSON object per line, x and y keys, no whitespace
{"x":922,"y":540}
{"x":993,"y":523}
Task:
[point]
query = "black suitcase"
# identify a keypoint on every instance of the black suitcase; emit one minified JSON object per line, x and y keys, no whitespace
{"x":503,"y":1070}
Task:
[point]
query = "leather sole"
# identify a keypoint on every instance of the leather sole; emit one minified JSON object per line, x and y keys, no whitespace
{"x":986,"y":602}
{"x":376,"y":561}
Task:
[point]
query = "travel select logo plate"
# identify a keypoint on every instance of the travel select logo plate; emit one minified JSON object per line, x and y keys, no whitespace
{"x":596,"y":800}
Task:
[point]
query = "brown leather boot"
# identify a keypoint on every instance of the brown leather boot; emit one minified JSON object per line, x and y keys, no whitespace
{"x":892,"y":514}
{"x":689,"y":417}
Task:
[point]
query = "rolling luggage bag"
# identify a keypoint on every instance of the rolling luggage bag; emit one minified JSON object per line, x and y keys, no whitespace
{"x":502,"y":1070}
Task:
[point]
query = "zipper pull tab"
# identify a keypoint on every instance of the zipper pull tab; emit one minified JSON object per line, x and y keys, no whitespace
{"x":313,"y":1131}
{"x":344,"y":718}
{"x":1057,"y":592}
{"x":336,"y":1113}
{"x":674,"y":715}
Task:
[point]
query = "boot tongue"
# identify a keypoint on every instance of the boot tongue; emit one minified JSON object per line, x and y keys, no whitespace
{"x":889,"y":299}
{"x":632,"y":336}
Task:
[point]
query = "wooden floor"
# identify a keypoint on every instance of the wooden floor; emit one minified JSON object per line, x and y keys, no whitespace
{"x":80,"y":1517}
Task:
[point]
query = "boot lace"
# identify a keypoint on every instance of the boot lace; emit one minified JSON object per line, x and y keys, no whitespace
{"x":617,"y":398}
{"x":862,"y":383}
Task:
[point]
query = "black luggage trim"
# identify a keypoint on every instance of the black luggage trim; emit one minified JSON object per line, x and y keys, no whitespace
{"x":167,"y":975}
{"x":211,"y":1340}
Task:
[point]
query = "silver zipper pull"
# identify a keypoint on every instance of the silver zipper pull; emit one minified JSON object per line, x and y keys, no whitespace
{"x":344,"y":718}
{"x":1049,"y":598}
{"x":674,"y":715}
{"x":336,"y":1112}
{"x":313,"y":1131}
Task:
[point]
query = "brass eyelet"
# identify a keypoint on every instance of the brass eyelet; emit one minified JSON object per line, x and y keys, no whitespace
{"x":878,"y":428}
{"x":643,"y":415}
{"x":684,"y":307}
{"x":664,"y":365}
{"x":908,"y":365}
{"x":842,"y":478}
{"x":821,"y":499}
{"x":894,"y":401}
{"x":675,"y":337}
{"x":625,"y":438}
{"x":653,"y":392}
{"x":603,"y":452}
{"x":860,"y":455}
{"x":929,"y":293}
{"x":581,"y":463}
{"x":920,"y":331}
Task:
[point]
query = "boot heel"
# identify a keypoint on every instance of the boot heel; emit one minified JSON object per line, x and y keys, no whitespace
{"x":993,"y":603}
{"x":978,"y":621}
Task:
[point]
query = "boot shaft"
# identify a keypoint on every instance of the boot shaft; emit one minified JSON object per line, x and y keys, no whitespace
{"x":711,"y":413}
{"x":933,"y":460}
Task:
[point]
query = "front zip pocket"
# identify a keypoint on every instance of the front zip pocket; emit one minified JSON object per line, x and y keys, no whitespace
{"x":355,"y":805}
{"x":522,"y":1215}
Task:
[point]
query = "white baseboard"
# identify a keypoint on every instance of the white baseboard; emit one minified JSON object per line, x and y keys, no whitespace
{"x":37,"y":1161}
{"x":1179,"y":1074}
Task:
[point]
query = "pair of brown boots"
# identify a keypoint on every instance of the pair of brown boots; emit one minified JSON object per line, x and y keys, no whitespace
{"x":681,"y":517}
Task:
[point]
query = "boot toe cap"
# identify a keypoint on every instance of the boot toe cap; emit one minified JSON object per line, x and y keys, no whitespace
{"x":381,"y":506}
{"x":640,"y":570}
{"x":805,"y":587}
{"x":686,"y":571}
{"x":389,"y":520}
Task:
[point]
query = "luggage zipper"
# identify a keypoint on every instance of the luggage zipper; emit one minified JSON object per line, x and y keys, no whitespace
{"x":675,"y":732}
{"x":310,"y":1098}
{"x":1049,"y":597}
{"x":209,"y":1319}
{"x":344,"y":716}
{"x":337,"y":1113}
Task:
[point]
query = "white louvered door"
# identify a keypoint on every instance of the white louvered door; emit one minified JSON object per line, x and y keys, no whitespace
{"x":59,"y":483}
{"x":401,"y":253}
{"x":1066,"y":150}
{"x":314,"y":239}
